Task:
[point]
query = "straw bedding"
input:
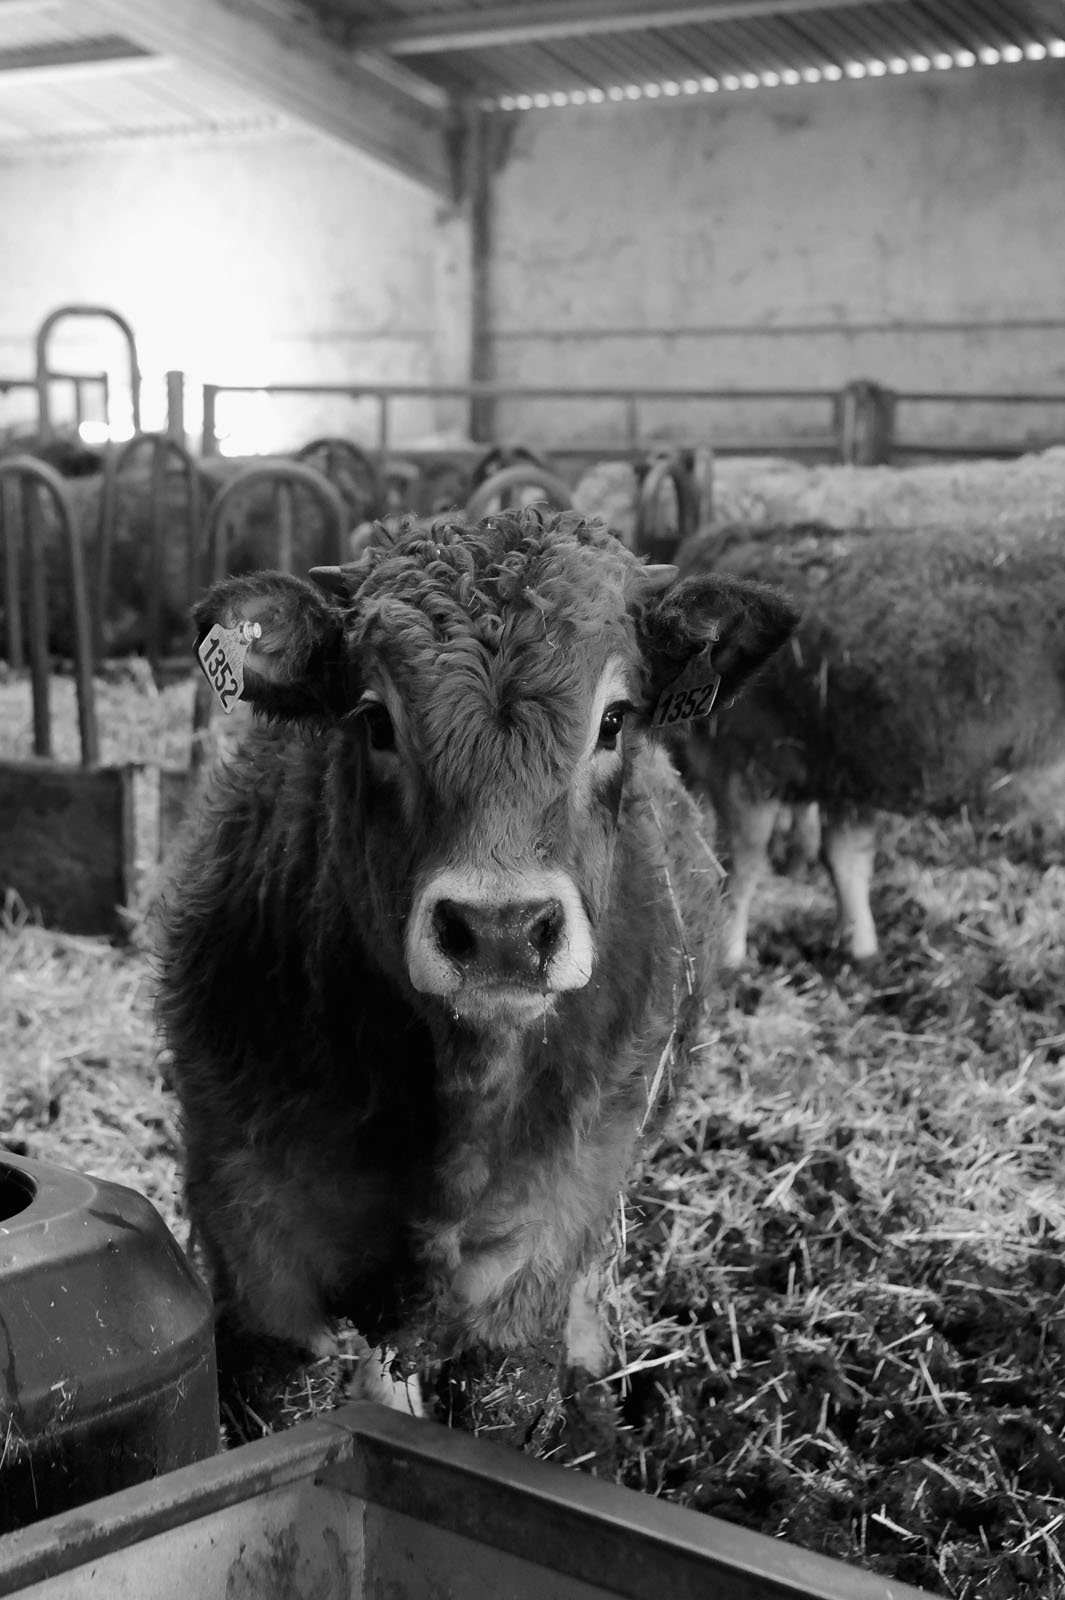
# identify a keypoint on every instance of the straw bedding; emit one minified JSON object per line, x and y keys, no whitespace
{"x":839,"y":1293}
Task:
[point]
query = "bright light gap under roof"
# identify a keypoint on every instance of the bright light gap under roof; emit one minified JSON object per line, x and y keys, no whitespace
{"x":787,"y":77}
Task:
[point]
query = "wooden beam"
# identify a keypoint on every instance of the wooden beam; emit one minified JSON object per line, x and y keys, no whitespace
{"x":289,"y":64}
{"x":558,"y":19}
{"x":63,"y":62}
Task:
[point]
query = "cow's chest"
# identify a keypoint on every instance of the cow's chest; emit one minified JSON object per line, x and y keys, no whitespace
{"x":518,"y":1218}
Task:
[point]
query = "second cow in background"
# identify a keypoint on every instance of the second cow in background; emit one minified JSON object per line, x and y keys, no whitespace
{"x":927,"y":671}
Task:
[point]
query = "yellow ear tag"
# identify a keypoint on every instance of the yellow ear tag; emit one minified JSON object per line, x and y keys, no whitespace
{"x":222,"y":655}
{"x":691,"y":695}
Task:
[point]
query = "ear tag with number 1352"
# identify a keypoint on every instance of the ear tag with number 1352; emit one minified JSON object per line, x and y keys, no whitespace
{"x":222,"y":654}
{"x":690,"y":696}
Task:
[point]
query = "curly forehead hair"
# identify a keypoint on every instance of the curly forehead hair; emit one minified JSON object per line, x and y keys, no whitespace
{"x":494,"y":630}
{"x":488,"y":577}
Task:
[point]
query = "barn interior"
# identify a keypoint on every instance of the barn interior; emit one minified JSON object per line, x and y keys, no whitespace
{"x":275,"y":269}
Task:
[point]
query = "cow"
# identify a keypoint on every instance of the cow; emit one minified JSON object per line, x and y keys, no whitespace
{"x":927,"y":671}
{"x":443,"y":925}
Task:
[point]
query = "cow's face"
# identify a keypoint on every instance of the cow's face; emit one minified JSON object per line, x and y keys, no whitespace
{"x":486,"y":692}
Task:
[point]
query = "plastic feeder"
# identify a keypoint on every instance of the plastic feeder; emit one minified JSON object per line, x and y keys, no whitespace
{"x":107,"y":1371}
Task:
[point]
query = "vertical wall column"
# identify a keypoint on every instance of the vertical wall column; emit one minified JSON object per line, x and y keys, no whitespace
{"x":479,"y":142}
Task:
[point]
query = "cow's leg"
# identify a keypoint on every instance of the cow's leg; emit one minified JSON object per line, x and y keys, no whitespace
{"x":748,"y":821}
{"x":849,"y":847}
{"x":804,"y":838}
{"x":587,"y":1343}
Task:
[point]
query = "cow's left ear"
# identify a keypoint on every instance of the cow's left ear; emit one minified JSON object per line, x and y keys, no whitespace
{"x":739,"y":622}
{"x":282,"y":637}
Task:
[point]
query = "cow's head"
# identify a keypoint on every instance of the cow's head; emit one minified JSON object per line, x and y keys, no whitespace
{"x":485,"y":693}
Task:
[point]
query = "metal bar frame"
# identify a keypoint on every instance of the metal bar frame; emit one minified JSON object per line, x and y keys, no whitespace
{"x":565,"y":1523}
{"x":45,"y":375}
{"x":163,"y":448}
{"x":36,"y":477}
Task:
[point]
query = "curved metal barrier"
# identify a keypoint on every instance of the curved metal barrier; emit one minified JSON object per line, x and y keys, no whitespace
{"x":702,"y":472}
{"x":35,"y":479}
{"x":498,"y":457}
{"x":331,"y":455}
{"x":66,"y":832}
{"x":524,"y":475}
{"x":163,"y":449}
{"x":652,"y":539}
{"x":45,"y":375}
{"x":285,"y":476}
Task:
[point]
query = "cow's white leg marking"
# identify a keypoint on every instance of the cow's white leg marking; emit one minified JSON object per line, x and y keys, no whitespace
{"x":849,"y":847}
{"x":587,"y":1343}
{"x":749,"y":824}
{"x":372,"y":1380}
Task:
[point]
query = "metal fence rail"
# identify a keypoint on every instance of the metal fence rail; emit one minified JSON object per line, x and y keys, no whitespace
{"x":860,"y":426}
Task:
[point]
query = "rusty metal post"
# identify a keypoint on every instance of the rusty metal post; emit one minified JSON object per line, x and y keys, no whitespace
{"x":175,"y":406}
{"x":865,"y":422}
{"x":285,"y":516}
{"x":105,"y":537}
{"x":10,"y":520}
{"x":156,"y":538}
{"x":209,"y":444}
{"x":37,"y":615}
{"x":651,"y":540}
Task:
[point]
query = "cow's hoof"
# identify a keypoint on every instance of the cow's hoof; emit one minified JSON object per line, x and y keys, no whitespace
{"x":373,"y":1378}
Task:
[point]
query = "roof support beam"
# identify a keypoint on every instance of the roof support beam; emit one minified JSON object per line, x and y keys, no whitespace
{"x":64,"y":62}
{"x":25,"y":8}
{"x":509,"y":24}
{"x":291,"y":66}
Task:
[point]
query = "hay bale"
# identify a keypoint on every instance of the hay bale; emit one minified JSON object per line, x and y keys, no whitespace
{"x":988,"y":493}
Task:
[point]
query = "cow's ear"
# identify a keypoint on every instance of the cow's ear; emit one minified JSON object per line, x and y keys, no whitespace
{"x":288,"y":638}
{"x":738,"y":622}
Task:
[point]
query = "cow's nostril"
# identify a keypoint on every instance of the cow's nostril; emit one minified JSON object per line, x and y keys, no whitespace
{"x":545,"y":929}
{"x":512,"y":941}
{"x":452,"y":932}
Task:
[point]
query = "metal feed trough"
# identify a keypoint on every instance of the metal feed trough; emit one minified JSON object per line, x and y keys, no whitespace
{"x":368,"y":1504}
{"x":66,"y":833}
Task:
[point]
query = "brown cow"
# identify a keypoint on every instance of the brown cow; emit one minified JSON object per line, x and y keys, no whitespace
{"x":445,"y":921}
{"x":928,"y":669}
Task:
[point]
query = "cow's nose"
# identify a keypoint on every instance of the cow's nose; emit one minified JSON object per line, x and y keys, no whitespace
{"x":497,"y":943}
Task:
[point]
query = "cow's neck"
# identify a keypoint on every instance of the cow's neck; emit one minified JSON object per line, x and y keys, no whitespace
{"x":479,"y":1079}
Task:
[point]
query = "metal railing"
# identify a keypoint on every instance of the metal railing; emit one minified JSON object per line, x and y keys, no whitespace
{"x":632,"y":397}
{"x":859,"y":425}
{"x":82,"y":383}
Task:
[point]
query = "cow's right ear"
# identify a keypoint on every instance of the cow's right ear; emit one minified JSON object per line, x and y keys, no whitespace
{"x":294,"y":667}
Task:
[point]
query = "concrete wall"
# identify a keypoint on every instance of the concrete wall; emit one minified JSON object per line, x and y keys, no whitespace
{"x":272,"y":257}
{"x":909,"y":231}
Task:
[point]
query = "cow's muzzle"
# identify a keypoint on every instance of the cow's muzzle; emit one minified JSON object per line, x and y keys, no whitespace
{"x":499,"y":943}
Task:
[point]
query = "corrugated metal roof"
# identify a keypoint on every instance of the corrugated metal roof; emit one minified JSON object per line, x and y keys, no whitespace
{"x":851,"y":37}
{"x":49,"y":98}
{"x":168,"y":99}
{"x":596,"y":53}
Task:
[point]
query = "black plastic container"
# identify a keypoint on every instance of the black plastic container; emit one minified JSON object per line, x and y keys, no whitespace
{"x":107,"y":1370}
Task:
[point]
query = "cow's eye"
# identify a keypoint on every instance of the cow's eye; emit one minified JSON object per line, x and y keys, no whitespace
{"x":379,"y":729}
{"x":612,"y":724}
